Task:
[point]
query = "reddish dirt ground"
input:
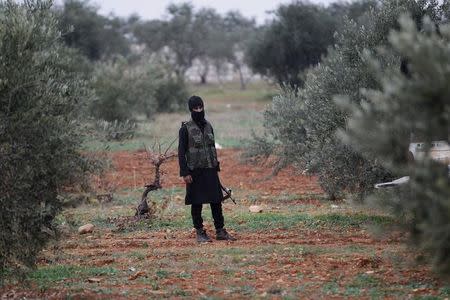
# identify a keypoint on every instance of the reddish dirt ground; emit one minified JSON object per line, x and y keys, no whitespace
{"x":273,"y":270}
{"x":133,"y":169}
{"x":269,"y":274}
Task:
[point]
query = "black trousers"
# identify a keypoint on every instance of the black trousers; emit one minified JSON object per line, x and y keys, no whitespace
{"x":216,"y":209}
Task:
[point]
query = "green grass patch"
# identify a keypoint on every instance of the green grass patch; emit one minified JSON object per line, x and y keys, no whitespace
{"x":296,"y":197}
{"x":245,"y":290}
{"x":280,"y":220}
{"x":365,"y":281}
{"x":420,"y":285}
{"x":178,"y":217}
{"x":7,"y":276}
{"x":352,"y":291}
{"x":379,"y":293}
{"x":265,"y":221}
{"x":181,"y":293}
{"x":230,"y":92}
{"x":113,"y":146}
{"x":138,"y":255}
{"x":232,"y":251}
{"x":232,"y":112}
{"x":445,"y":291}
{"x":181,"y":222}
{"x":102,"y":222}
{"x":162,"y":274}
{"x":127,"y":199}
{"x":229,"y":272}
{"x":185,"y":275}
{"x":331,"y":288}
{"x":47,"y":276}
{"x":355,"y":220}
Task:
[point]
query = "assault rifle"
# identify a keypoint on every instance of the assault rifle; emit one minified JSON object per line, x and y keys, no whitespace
{"x":228,"y":193}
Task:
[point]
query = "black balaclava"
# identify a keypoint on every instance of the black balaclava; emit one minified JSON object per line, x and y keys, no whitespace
{"x":198,"y":117}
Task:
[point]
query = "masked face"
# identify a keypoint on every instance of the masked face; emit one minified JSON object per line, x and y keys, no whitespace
{"x":198,"y":115}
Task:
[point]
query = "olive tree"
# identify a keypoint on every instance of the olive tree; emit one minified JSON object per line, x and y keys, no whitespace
{"x":304,"y":124}
{"x":416,"y":101}
{"x":40,"y":101}
{"x":294,"y":41}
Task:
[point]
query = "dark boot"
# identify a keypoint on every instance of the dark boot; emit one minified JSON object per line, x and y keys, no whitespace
{"x":202,"y":237}
{"x":222,"y":234}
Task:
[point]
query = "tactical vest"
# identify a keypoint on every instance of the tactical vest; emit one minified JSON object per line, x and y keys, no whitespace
{"x":201,"y":149}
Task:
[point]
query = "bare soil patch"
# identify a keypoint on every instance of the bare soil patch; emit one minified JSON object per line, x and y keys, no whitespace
{"x":132,"y":169}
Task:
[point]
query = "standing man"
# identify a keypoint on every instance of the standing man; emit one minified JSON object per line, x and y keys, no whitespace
{"x":197,"y":157}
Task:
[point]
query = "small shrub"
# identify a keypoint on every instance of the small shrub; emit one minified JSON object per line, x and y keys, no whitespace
{"x":125,"y":89}
{"x":122,"y":89}
{"x":171,"y":94}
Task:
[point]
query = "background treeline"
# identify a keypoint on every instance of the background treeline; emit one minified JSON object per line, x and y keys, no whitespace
{"x":140,"y":66}
{"x":116,"y":50}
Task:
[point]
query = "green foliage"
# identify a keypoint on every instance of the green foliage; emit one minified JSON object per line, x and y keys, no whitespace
{"x":204,"y":35}
{"x":94,"y":35}
{"x":295,"y":40}
{"x":170,"y":94}
{"x":416,"y":103}
{"x":224,"y":40}
{"x":445,"y":291}
{"x":40,"y":98}
{"x":179,"y":34}
{"x":445,"y":9}
{"x":125,"y":89}
{"x":121,"y":88}
{"x":355,"y":10}
{"x":304,"y":122}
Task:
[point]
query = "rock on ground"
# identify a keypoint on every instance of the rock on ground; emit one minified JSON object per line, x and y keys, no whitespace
{"x":88,"y":228}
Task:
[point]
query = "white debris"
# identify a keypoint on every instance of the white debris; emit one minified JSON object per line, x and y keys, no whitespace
{"x":255,"y":209}
{"x":396,"y":182}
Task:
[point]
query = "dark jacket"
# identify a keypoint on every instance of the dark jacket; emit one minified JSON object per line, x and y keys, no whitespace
{"x":205,"y":187}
